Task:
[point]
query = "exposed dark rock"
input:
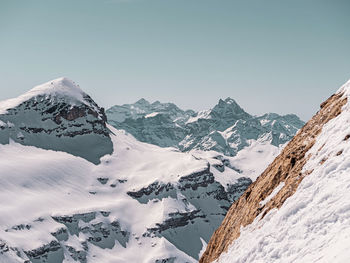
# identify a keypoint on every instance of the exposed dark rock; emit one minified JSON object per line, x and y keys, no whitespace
{"x":199,"y":179}
{"x":102,"y":180}
{"x":176,"y":220}
{"x":154,"y":190}
{"x":166,"y":260}
{"x":234,"y":191}
{"x":46,"y":253}
{"x":54,"y":123}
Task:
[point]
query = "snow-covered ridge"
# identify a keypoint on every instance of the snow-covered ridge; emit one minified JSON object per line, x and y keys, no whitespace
{"x":345,"y":89}
{"x":61,"y":87}
{"x":298,"y":209}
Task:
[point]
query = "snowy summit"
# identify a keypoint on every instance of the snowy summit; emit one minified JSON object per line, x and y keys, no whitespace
{"x":57,"y":115}
{"x":61,"y":87}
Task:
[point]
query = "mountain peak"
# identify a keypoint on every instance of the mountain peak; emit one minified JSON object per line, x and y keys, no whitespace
{"x":229,"y":100}
{"x":57,"y":115}
{"x":230,"y":109}
{"x":61,"y":86}
{"x":142,"y":101}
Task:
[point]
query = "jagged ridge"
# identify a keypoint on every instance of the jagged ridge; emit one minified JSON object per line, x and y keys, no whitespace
{"x":226,"y":128}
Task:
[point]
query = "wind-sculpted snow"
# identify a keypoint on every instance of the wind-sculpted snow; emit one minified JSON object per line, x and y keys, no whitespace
{"x":226,"y":128}
{"x":57,"y":116}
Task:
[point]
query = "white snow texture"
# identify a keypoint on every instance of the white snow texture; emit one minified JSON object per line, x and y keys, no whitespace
{"x":313,"y":225}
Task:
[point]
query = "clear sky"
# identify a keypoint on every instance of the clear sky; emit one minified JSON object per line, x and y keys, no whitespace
{"x":283,"y":56}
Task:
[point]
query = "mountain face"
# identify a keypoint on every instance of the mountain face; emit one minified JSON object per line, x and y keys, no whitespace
{"x":59,"y":116}
{"x":226,"y":128}
{"x":298,"y":208}
{"x":156,"y":123}
{"x":74,"y":189}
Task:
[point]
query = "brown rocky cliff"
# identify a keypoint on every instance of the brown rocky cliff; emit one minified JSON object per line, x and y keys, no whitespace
{"x":287,"y":168}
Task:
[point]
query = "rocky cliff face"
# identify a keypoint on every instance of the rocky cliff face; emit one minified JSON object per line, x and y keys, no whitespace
{"x":270,"y":191}
{"x":226,"y":128}
{"x":57,"y":116}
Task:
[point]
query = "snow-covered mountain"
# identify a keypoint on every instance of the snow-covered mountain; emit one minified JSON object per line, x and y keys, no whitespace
{"x":59,"y":116}
{"x":75,"y":189}
{"x":298,"y":210}
{"x":226,"y":128}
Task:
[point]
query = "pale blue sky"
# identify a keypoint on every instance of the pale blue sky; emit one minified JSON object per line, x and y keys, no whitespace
{"x":283,"y":56}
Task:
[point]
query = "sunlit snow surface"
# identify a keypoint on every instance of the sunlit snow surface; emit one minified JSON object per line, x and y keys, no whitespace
{"x":61,"y":87}
{"x":313,"y":225}
{"x":36,"y":184}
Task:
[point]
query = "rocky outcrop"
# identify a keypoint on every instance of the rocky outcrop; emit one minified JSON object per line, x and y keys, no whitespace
{"x":51,"y":252}
{"x":287,"y":168}
{"x":176,"y":220}
{"x":206,"y":202}
{"x":93,"y":228}
{"x":155,"y":190}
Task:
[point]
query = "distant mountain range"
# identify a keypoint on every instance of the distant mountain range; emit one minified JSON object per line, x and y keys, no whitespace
{"x":226,"y":128}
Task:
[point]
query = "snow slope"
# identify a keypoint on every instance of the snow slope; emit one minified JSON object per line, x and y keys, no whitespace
{"x":313,"y":225}
{"x":57,"y":206}
{"x":48,"y":188}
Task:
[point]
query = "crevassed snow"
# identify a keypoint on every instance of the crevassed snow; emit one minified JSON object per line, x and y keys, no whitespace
{"x":58,"y":87}
{"x":313,"y":225}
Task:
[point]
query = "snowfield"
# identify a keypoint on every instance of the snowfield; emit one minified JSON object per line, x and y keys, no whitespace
{"x":38,"y":184}
{"x":60,"y":201}
{"x":313,"y":225}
